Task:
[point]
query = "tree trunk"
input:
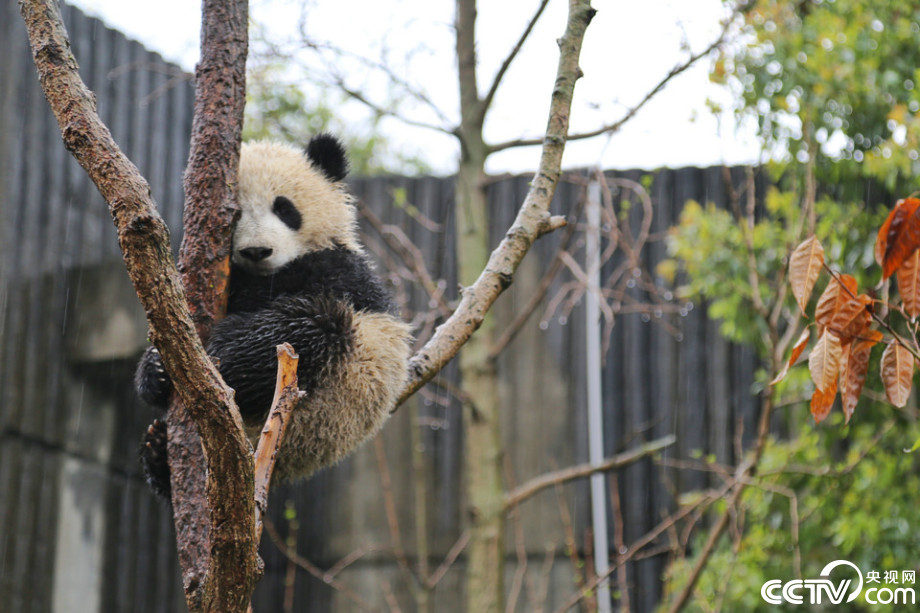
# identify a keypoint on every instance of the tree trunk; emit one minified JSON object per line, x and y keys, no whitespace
{"x":481,"y":423}
{"x":204,"y":262}
{"x":232,"y":566}
{"x":481,"y":418}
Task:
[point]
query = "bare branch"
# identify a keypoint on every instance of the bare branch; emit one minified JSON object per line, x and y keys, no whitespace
{"x":533,"y":219}
{"x":318,"y":573}
{"x":616,"y":125}
{"x":449,"y":559}
{"x":410,"y":254}
{"x":512,"y":329}
{"x":633,"y":550}
{"x":385,"y":112}
{"x":500,"y":75}
{"x":285,"y":399}
{"x":538,"y":484}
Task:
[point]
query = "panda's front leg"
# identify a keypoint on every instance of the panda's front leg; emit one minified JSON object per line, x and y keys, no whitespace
{"x":319,"y":328}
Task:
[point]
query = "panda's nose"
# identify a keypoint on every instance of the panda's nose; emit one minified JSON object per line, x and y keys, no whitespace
{"x":256,"y":254}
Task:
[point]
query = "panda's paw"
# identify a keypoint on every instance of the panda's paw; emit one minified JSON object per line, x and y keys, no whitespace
{"x":151,"y":381}
{"x":152,"y":454}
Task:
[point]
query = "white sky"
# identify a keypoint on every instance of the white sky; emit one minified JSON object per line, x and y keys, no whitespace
{"x":629,"y":47}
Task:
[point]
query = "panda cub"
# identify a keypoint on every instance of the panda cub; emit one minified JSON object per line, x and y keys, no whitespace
{"x":298,"y":275}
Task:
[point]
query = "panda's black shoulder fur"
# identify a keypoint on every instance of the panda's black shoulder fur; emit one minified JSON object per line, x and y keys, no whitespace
{"x":337,"y":272}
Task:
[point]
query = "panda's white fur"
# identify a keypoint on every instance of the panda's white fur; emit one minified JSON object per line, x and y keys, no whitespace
{"x":298,"y":276}
{"x":352,"y":405}
{"x":269,"y":169}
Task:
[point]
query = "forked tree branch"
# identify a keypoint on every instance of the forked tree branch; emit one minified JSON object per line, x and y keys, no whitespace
{"x":533,"y":219}
{"x":614,"y":126}
{"x":226,"y":584}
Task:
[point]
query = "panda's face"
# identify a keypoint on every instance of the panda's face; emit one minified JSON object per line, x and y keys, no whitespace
{"x":288,"y":207}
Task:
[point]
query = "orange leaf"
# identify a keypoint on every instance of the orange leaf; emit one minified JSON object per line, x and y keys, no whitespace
{"x":897,"y":373}
{"x":804,"y":265}
{"x":909,"y":284}
{"x":824,"y":361}
{"x":899,"y":236}
{"x":842,"y":310}
{"x":853,"y":318}
{"x":833,"y":294}
{"x":853,"y":375}
{"x":797,"y":350}
{"x":821,"y":402}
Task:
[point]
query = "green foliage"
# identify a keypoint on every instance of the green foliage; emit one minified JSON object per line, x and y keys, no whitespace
{"x":839,"y":75}
{"x":710,"y":246}
{"x":280,"y":109}
{"x":860,"y":507}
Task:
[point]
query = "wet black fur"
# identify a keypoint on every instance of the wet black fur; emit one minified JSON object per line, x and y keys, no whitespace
{"x":337,"y":272}
{"x":309,"y":303}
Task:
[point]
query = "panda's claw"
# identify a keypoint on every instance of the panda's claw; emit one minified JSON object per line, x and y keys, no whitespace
{"x":153,"y":458}
{"x":151,"y":381}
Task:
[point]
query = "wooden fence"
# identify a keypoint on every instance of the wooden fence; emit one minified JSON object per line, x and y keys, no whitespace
{"x":78,"y":529}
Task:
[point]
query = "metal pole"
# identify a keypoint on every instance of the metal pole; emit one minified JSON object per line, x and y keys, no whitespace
{"x":594,"y":394}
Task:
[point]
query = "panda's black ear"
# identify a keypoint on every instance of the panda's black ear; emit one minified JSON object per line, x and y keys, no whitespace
{"x":328,"y":156}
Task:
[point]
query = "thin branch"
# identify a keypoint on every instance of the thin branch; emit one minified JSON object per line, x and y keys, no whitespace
{"x":616,"y":125}
{"x":410,"y":254}
{"x":389,"y":506}
{"x":633,"y":551}
{"x":571,"y":547}
{"x":499,"y":76}
{"x":385,"y":112}
{"x":538,"y":484}
{"x":619,"y":543}
{"x":383,"y":67}
{"x":532,"y":222}
{"x":744,"y":471}
{"x":449,"y":559}
{"x":315,"y":571}
{"x":286,"y":396}
{"x":511,"y":330}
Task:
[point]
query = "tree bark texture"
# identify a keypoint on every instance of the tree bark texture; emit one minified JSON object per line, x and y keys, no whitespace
{"x":205,"y":529}
{"x":144,"y":240}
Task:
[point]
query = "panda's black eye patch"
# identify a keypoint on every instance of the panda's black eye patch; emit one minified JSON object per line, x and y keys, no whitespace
{"x":287,"y":212}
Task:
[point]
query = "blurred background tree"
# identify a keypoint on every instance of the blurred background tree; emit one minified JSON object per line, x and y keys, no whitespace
{"x":834,"y":82}
{"x":280,"y":108}
{"x":832,"y":87}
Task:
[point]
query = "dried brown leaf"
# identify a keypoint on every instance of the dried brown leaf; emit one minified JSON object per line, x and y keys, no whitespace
{"x":897,"y":373}
{"x":822,"y":402}
{"x":899,"y":236}
{"x":804,"y":265}
{"x":842,"y":310}
{"x":853,"y":373}
{"x":909,"y":284}
{"x":824,"y":361}
{"x":797,"y":350}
